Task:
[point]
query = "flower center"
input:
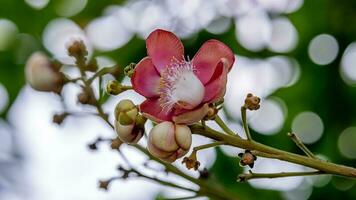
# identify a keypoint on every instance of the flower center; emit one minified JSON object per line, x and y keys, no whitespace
{"x":180,"y":87}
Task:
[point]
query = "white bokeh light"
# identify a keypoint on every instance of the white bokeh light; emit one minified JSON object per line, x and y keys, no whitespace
{"x":346,"y":143}
{"x":348,"y":65}
{"x":260,"y":77}
{"x":8,"y":32}
{"x":281,"y":6}
{"x":264,"y":165}
{"x":58,"y":34}
{"x":308,"y":126}
{"x":4,"y":98}
{"x":108,"y":33}
{"x":284,"y":35}
{"x":219,"y":25}
{"x":37,"y":4}
{"x":287,"y":71}
{"x":269,"y":119}
{"x":253,"y":30}
{"x":323,"y":49}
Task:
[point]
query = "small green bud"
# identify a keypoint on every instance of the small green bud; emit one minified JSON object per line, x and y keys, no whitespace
{"x":125,"y":119}
{"x":114,"y":88}
{"x":124,"y":106}
{"x":129,"y":69}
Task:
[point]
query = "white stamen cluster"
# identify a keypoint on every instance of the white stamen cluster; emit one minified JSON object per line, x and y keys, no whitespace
{"x":169,"y":78}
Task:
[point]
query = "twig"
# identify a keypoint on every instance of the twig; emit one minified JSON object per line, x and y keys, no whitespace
{"x":267,"y":151}
{"x":182,"y":198}
{"x":205,"y":146}
{"x":251,"y":175}
{"x":224,"y":127}
{"x":300,"y":144}
{"x":103,"y":71}
{"x":244,"y":123}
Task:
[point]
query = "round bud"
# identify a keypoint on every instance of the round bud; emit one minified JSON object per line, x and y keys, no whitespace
{"x":126,"y":122}
{"x":42,"y":75}
{"x":169,"y":141}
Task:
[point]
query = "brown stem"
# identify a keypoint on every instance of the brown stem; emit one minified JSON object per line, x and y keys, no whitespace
{"x":327,"y":167}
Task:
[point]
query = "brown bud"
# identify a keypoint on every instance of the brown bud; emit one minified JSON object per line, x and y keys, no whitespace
{"x":191,"y":161}
{"x":116,"y":143}
{"x":212,"y":111}
{"x":247,"y":158}
{"x":93,"y":146}
{"x":252,"y":102}
{"x":104,"y":184}
{"x":86,"y":98}
{"x":59,"y":118}
{"x":77,"y":49}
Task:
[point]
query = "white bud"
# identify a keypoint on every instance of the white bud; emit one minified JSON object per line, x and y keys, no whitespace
{"x":169,"y":141}
{"x":41,"y":74}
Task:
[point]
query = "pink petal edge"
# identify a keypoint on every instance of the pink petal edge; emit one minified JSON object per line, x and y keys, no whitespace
{"x":152,"y":110}
{"x":162,"y":47}
{"x":215,"y":89}
{"x":208,"y":56}
{"x":145,"y":79}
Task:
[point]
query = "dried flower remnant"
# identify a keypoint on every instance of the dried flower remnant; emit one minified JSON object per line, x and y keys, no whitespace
{"x":191,"y":162}
{"x":247,"y":158}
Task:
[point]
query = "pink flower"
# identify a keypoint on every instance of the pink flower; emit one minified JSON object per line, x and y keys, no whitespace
{"x":177,"y":89}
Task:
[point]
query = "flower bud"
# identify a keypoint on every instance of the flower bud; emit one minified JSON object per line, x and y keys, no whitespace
{"x":247,"y":158}
{"x":77,"y":49}
{"x":59,"y":118}
{"x":42,"y":75}
{"x":169,"y":141}
{"x":252,"y":102}
{"x":129,"y":125}
{"x":114,"y":88}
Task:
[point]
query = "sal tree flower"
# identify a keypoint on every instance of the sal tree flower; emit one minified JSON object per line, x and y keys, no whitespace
{"x":177,"y":89}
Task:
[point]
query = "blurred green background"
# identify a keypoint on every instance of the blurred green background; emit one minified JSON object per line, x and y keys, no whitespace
{"x":325,"y":90}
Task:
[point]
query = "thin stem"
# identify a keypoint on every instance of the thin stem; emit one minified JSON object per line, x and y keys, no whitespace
{"x":244,"y":123}
{"x":207,"y":189}
{"x":166,"y":183}
{"x":300,"y":144}
{"x":103,"y":71}
{"x":205,"y":146}
{"x":182,"y":198}
{"x":251,"y":175}
{"x":223,"y":126}
{"x":267,"y":151}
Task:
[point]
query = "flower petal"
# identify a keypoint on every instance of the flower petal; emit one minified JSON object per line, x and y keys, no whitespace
{"x":162,"y":46}
{"x":208,"y":56}
{"x":192,"y":116}
{"x":152,"y":110}
{"x":145,"y":79}
{"x":215,"y":89}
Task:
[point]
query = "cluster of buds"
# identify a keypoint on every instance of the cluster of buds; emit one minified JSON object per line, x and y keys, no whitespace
{"x":169,"y":141}
{"x":129,"y":125}
{"x":42,"y":74}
